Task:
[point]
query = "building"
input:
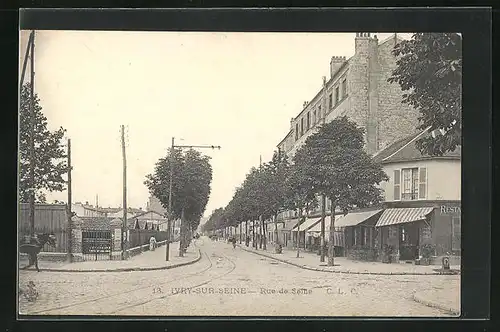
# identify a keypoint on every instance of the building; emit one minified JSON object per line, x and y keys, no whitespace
{"x":86,"y":210}
{"x":154,"y":204}
{"x":422,"y":200}
{"x":357,"y":88}
{"x":421,"y":207}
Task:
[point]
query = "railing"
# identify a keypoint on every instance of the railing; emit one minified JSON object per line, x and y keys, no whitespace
{"x":409,"y":196}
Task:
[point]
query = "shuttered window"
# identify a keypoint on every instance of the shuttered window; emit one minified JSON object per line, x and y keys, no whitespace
{"x":397,"y":184}
{"x":422,"y":187}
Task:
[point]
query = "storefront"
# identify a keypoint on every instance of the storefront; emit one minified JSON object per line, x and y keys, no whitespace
{"x":360,"y":234}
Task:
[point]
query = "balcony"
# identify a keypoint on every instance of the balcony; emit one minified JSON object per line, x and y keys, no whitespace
{"x":409,"y":196}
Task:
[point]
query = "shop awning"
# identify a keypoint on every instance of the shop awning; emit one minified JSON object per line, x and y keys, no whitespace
{"x":310,"y":222}
{"x":290,"y":224}
{"x":355,"y":218}
{"x":402,"y":215}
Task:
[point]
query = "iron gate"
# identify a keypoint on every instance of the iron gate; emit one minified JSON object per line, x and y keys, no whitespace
{"x":97,"y":244}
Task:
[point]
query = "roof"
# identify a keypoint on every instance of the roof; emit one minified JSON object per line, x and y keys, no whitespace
{"x":99,"y":223}
{"x":289,"y":133}
{"x":406,"y":149}
{"x":144,"y":213}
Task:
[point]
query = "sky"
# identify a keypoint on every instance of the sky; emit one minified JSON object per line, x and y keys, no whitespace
{"x":236,"y":90}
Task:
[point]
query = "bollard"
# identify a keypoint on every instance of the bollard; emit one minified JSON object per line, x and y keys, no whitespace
{"x":446,"y":263}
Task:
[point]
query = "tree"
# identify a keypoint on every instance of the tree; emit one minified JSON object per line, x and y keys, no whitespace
{"x":50,"y":162}
{"x":300,"y":191}
{"x":192,"y":176}
{"x":274,"y":198}
{"x":430,"y":69}
{"x":334,"y":161}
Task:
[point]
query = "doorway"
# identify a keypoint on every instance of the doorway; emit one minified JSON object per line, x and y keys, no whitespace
{"x":408,"y":241}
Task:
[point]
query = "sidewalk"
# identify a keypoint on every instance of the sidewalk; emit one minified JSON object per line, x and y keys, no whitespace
{"x":146,"y":261}
{"x":445,"y":298}
{"x":310,"y":261}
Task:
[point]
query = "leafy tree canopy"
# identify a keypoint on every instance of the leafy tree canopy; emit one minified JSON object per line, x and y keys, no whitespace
{"x":429,"y":70}
{"x":333,"y":163}
{"x":192,"y":176}
{"x":50,"y":162}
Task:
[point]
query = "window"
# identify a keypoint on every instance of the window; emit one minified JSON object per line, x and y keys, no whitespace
{"x":330,"y":100}
{"x":337,"y":95}
{"x":355,"y":237}
{"x":403,"y":234}
{"x":422,"y":188}
{"x":308,"y":120}
{"x":315,"y":116}
{"x":344,"y":88}
{"x":296,"y":131}
{"x":410,"y":184}
{"x":301,"y":126}
{"x":397,"y":185}
{"x":456,"y":229}
{"x":319,"y":112}
{"x":366,"y":236}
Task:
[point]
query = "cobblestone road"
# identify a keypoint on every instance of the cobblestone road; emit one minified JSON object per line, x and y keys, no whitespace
{"x":228,"y":282}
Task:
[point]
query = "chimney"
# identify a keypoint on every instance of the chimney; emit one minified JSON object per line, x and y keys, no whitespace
{"x":305,"y":104}
{"x":335,"y":63}
{"x":362,"y":42}
{"x":87,"y":203}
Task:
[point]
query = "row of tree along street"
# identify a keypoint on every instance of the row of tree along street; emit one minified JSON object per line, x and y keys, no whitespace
{"x":333,"y":164}
{"x":191,"y":179}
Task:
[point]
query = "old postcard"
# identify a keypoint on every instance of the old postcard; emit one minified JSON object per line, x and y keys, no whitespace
{"x":239,"y":174}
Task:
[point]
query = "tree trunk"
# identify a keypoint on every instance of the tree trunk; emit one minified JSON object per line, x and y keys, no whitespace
{"x":323,"y":217}
{"x":246,"y":234}
{"x":260,"y":231}
{"x":265,"y":236}
{"x":254,"y":244}
{"x":241,"y":229}
{"x":182,"y":237}
{"x":298,"y":233}
{"x":331,"y":243}
{"x":276,"y":237}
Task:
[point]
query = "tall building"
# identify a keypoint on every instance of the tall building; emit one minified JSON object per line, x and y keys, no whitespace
{"x":358,"y":88}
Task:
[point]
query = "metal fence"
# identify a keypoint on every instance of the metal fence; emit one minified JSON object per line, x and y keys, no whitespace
{"x":97,"y":244}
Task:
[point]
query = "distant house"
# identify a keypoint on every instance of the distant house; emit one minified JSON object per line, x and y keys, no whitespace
{"x":150,"y":219}
{"x":86,"y":210}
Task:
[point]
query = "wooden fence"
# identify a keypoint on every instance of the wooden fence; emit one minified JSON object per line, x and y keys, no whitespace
{"x":139,"y":237}
{"x":49,"y":218}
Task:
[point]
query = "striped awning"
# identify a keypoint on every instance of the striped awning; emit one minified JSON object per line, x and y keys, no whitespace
{"x":402,"y":215}
{"x":310,"y":222}
{"x":355,"y":218}
{"x":290,"y":224}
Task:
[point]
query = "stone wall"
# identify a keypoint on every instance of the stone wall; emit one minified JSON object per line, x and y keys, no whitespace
{"x":395,"y":119}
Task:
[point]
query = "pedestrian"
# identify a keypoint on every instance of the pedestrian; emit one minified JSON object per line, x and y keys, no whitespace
{"x":152,"y":243}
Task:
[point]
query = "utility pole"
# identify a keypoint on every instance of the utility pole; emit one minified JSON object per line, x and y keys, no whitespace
{"x":70,"y":213}
{"x":32,"y":138}
{"x":124,"y":226}
{"x":28,"y":52}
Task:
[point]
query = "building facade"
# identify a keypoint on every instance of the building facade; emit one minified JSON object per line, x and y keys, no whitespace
{"x":357,"y":88}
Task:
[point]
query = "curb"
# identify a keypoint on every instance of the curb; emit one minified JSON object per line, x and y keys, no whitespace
{"x":129,"y":269}
{"x":305,"y":267}
{"x":431,"y":304}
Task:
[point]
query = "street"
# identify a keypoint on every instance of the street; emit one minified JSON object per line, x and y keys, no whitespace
{"x":228,"y":281}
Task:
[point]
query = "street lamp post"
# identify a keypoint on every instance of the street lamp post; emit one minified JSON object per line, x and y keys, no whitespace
{"x":170,"y":213}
